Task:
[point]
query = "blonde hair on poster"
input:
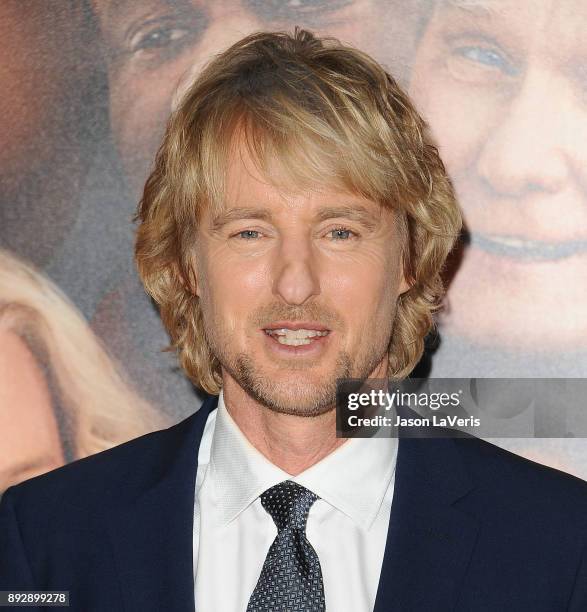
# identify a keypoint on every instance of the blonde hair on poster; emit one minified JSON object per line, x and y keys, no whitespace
{"x":100,"y":407}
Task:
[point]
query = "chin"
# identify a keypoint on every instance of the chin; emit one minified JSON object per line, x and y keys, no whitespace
{"x":297,"y":392}
{"x":288,"y":391}
{"x":312,"y":403}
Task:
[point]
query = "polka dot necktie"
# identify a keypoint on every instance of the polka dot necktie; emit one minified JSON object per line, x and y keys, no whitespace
{"x":291,"y":578}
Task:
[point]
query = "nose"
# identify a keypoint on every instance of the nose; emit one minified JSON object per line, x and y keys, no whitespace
{"x":295,"y":270}
{"x":531,"y":143}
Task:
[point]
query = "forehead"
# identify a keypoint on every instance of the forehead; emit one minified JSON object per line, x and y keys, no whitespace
{"x":249,"y":188}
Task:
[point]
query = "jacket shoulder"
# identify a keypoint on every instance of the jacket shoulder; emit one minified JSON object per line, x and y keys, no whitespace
{"x":510,"y":484}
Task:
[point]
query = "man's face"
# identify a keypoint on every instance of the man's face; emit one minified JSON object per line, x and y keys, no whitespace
{"x":155,"y":47}
{"x":321,"y":259}
{"x":504,"y":85}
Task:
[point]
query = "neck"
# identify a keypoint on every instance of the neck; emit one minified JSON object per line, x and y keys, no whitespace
{"x":292,"y":443}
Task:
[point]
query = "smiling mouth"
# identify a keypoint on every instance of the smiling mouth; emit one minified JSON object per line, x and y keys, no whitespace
{"x":296,"y":337}
{"x":527,"y":250}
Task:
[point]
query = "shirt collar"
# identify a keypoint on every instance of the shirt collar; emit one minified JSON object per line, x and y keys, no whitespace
{"x":353,"y":478}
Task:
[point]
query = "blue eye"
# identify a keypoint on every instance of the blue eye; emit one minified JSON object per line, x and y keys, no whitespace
{"x":248,"y":234}
{"x":342,"y":230}
{"x":487,"y":57}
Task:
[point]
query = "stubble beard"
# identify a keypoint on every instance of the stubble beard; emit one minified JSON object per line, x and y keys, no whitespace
{"x":297,"y":395}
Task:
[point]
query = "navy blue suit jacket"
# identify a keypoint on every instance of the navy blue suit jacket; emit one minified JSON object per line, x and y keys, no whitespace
{"x":473,"y":528}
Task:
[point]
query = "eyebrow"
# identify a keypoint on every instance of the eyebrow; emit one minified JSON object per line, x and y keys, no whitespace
{"x":355,"y":213}
{"x":472,"y":5}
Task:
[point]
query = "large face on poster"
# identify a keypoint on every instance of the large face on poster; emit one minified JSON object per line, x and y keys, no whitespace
{"x":155,"y":48}
{"x":504,"y":86}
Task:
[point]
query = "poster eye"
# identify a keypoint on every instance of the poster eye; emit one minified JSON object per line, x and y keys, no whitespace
{"x":158,"y":38}
{"x":485,"y":56}
{"x":482,"y":56}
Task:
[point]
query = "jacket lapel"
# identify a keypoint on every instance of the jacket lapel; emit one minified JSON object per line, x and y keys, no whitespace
{"x":151,"y":529}
{"x":429,"y":542}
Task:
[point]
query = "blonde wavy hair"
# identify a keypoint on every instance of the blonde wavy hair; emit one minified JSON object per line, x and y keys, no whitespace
{"x":100,"y":409}
{"x":328,"y":114}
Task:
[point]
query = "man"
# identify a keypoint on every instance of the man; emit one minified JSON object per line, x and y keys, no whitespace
{"x":292,"y":232}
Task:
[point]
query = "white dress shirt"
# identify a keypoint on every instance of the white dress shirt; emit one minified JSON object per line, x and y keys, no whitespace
{"x":347,"y":526}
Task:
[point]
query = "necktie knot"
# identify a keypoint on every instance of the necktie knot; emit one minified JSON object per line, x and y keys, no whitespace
{"x":291,"y":577}
{"x":288,"y":503}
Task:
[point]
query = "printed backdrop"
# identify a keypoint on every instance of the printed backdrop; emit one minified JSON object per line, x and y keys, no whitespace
{"x":85,"y":89}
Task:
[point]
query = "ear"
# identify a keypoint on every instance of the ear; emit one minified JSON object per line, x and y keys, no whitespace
{"x":193,"y":286}
{"x":404,"y":285}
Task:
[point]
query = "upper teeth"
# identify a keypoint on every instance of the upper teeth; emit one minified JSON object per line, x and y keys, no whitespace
{"x":296,"y":333}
